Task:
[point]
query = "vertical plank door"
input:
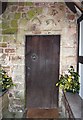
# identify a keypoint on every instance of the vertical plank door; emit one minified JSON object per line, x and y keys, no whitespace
{"x":42,"y":70}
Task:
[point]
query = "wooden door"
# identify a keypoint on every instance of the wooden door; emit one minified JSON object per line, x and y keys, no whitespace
{"x":42,"y":70}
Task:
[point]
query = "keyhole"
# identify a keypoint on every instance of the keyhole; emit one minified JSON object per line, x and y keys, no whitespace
{"x":34,"y":57}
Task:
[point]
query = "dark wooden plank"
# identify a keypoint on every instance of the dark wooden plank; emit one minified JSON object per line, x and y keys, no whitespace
{"x":42,"y":72}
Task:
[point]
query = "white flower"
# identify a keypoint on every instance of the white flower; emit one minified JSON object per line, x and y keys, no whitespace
{"x":72,"y":77}
{"x":66,"y":72}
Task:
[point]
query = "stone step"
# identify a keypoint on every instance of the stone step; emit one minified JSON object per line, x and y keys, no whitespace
{"x":42,"y":113}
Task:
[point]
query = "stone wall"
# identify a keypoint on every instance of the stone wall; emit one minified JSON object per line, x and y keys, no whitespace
{"x":4,"y":102}
{"x":27,"y":18}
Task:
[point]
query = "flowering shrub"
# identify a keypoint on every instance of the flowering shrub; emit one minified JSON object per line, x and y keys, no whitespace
{"x":5,"y":81}
{"x":69,"y":81}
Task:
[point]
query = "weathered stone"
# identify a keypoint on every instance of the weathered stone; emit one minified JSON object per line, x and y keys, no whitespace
{"x":23,"y":22}
{"x":6,"y":68}
{"x":3,"y":44}
{"x":5,"y":25}
{"x":1,"y":50}
{"x":28,"y":3}
{"x":39,"y":10}
{"x":17,"y":15}
{"x":20,"y":50}
{"x":5,"y":38}
{"x":14,"y":8}
{"x":16,"y":58}
{"x":31,"y":13}
{"x":21,"y":3}
{"x":20,"y":9}
{"x":71,"y":51}
{"x":3,"y":103}
{"x":0,"y":25}
{"x":9,"y":50}
{"x":71,"y":17}
{"x":1,"y":39}
{"x":24,"y":15}
{"x":36,"y":32}
{"x":14,"y":23}
{"x":4,"y":56}
{"x":10,"y":31}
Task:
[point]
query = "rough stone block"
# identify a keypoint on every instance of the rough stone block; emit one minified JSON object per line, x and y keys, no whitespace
{"x":5,"y":25}
{"x":9,"y":50}
{"x":69,"y":51}
{"x":28,"y":3}
{"x":17,"y":59}
{"x":1,"y":50}
{"x":6,"y":68}
{"x":0,"y":25}
{"x":10,"y":31}
{"x":17,"y":15}
{"x":5,"y":38}
{"x":1,"y":38}
{"x":14,"y":23}
{"x":71,"y":17}
{"x":20,"y":50}
{"x":14,"y":8}
{"x":21,"y":8}
{"x":3,"y":44}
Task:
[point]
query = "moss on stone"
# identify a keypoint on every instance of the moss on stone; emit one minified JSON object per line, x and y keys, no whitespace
{"x":39,"y":10}
{"x":9,"y":31}
{"x":23,"y":22}
{"x":28,"y":3}
{"x":17,"y":15}
{"x":3,"y":44}
{"x":1,"y":38}
{"x":5,"y":38}
{"x":14,"y":23}
{"x":31,"y":13}
{"x":5,"y":25}
{"x":0,"y":25}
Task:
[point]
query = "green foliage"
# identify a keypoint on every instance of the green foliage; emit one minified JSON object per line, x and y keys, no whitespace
{"x":5,"y":81}
{"x":69,"y":81}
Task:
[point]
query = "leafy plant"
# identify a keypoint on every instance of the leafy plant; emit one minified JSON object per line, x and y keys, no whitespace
{"x":69,"y":81}
{"x":5,"y":81}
